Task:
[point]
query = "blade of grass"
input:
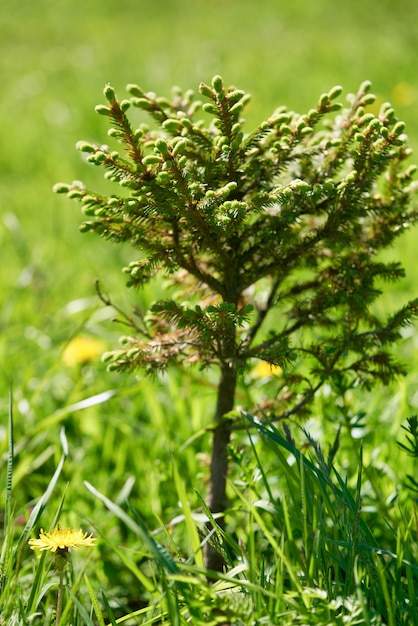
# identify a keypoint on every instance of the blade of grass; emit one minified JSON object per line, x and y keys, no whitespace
{"x":35,"y":594}
{"x":380,"y":568}
{"x":5,"y":548}
{"x":139,"y":575}
{"x":62,"y":413}
{"x":190,"y":524}
{"x":274,"y":545}
{"x":304,"y":511}
{"x":358,"y":574}
{"x":138,"y":527}
{"x":41,"y":504}
{"x":10,"y":459}
{"x":82,"y":611}
{"x":216,"y":537}
{"x":108,"y":610}
{"x":96,"y":607}
{"x":60,"y":506}
{"x":349,"y":582}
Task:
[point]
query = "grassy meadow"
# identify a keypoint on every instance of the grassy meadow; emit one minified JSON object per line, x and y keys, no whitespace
{"x":320,"y":530}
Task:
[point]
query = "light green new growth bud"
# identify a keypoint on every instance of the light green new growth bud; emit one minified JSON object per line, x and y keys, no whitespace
{"x":398,"y":128}
{"x":151,"y":159}
{"x":224,"y":191}
{"x":236,"y":95}
{"x":101,"y":109}
{"x":188,"y":95}
{"x":386,"y":109}
{"x":75,"y":194}
{"x":172,"y":126}
{"x":163,"y":178}
{"x":286,"y":193}
{"x":194,"y":107}
{"x":328,"y":186}
{"x":86,"y":226}
{"x":205,"y":90}
{"x":163,"y":102}
{"x":374,"y":124}
{"x":108,"y":356}
{"x":99,"y":157}
{"x":109,"y":93}
{"x":161,"y":146}
{"x":300,"y":185}
{"x":369,"y":99}
{"x":218,"y":84}
{"x":89,"y":199}
{"x":135,"y":272}
{"x":285,"y":129}
{"x":188,"y":124}
{"x":135,"y":90}
{"x":125,"y":105}
{"x":208,"y":107}
{"x":84,"y":146}
{"x":365,"y":86}
{"x":324,"y":99}
{"x":312,"y":113}
{"x":125,"y":182}
{"x":335,"y":92}
{"x":180,"y":146}
{"x":61,"y":188}
{"x":237,"y":139}
{"x":88,"y":210}
{"x":351,"y":177}
{"x":281,"y":118}
{"x":141,"y":103}
{"x":245,"y":99}
{"x":132,"y":353}
{"x":237,"y":107}
{"x":366,"y":119}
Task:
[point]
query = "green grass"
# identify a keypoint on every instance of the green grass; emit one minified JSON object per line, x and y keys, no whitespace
{"x":307,"y":543}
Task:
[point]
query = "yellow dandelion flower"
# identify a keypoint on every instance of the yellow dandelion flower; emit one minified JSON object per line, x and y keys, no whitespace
{"x":82,"y":350}
{"x":61,"y":540}
{"x":265,"y":370}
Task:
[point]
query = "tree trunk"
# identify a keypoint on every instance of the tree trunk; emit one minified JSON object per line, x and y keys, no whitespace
{"x":219,"y":463}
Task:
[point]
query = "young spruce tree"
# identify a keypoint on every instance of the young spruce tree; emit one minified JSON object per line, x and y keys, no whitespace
{"x":270,"y":239}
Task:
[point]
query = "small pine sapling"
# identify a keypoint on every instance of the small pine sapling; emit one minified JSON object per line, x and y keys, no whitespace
{"x":270,"y":239}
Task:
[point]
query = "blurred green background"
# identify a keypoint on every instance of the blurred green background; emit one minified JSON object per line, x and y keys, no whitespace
{"x":56,"y":57}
